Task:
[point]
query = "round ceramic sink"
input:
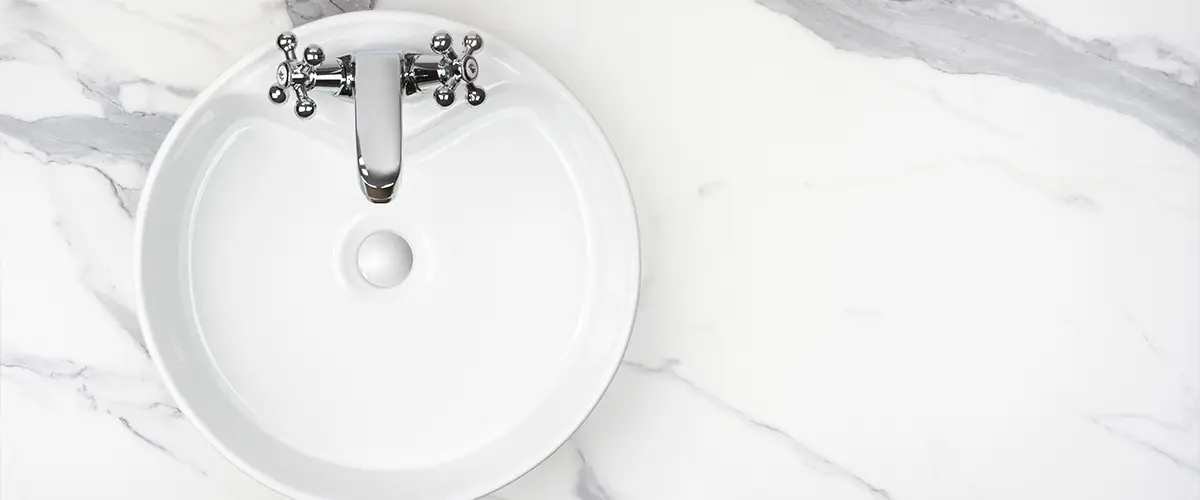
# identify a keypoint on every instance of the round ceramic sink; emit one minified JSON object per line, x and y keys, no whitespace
{"x":437,"y":346}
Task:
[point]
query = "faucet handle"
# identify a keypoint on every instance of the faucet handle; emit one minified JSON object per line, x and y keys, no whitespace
{"x":454,"y":69}
{"x":296,"y":74}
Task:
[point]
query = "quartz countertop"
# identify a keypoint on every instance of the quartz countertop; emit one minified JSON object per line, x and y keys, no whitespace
{"x":908,"y":250}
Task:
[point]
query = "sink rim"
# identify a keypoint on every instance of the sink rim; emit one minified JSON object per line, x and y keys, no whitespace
{"x":184,"y":123}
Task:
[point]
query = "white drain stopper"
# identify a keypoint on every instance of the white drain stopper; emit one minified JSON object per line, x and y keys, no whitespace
{"x":384,"y":259}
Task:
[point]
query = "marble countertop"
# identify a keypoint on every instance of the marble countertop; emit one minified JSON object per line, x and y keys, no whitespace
{"x":897,"y":250}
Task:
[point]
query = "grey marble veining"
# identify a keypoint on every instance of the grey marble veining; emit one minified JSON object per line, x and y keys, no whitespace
{"x":811,"y":457}
{"x":306,"y":11}
{"x":998,"y":37}
{"x":103,"y":392}
{"x":587,"y":485}
{"x":118,"y":132}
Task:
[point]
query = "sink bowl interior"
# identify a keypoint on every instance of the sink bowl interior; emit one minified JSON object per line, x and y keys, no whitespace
{"x":481,"y":362}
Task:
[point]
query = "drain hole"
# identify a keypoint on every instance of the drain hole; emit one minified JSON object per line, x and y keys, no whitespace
{"x":384,"y":259}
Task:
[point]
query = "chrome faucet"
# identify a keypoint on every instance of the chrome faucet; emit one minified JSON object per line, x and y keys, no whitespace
{"x":376,"y":82}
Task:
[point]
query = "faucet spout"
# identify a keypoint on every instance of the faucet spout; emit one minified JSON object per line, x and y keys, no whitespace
{"x":378,"y":124}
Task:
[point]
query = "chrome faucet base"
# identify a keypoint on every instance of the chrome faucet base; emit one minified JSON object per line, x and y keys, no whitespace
{"x":376,"y":83}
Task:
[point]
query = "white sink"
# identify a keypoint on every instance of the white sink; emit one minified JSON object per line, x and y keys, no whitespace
{"x":325,"y":367}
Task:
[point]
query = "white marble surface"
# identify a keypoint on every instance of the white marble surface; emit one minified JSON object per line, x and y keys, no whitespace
{"x":907,"y":250}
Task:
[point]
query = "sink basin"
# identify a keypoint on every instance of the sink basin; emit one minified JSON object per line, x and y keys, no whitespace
{"x":436,"y":347}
